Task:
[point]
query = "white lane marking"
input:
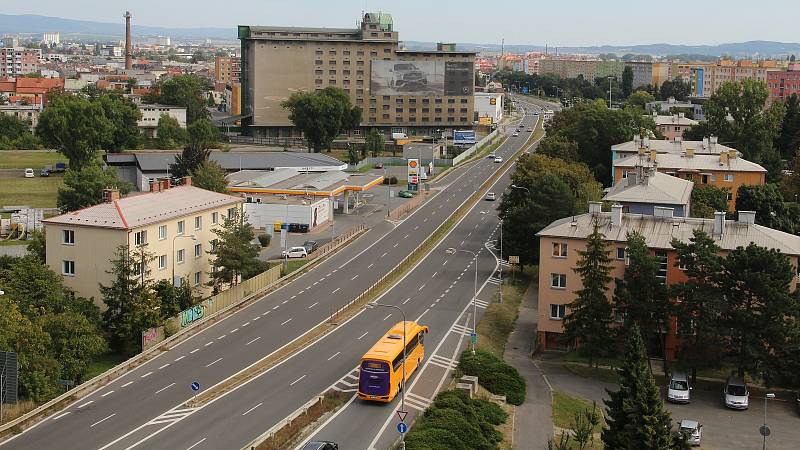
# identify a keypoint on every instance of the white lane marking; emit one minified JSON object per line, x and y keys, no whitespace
{"x":335,"y":290}
{"x":246,"y":324}
{"x":405,"y":237}
{"x":351,"y":279}
{"x":395,"y":245}
{"x":423,"y":313}
{"x":301,"y":291}
{"x":287,"y":321}
{"x":102,"y":420}
{"x":329,"y":274}
{"x":406,"y":300}
{"x":365,"y":333}
{"x":193,"y":351}
{"x":60,"y":415}
{"x":86,"y":404}
{"x":296,"y":381}
{"x":313,"y":305}
{"x":387,"y":316}
{"x":462,"y":243}
{"x":384,"y":254}
{"x":253,"y":340}
{"x":416,"y":228}
{"x":322,"y":279}
{"x":147,"y":374}
{"x":165,"y":387}
{"x":425,"y":219}
{"x":208,"y":343}
{"x":292,"y":297}
{"x":196,"y":444}
{"x":282,"y":303}
{"x":434,"y":274}
{"x":256,"y":318}
{"x":276,"y":307}
{"x":445,"y":262}
{"x":334,"y":355}
{"x":165,"y":365}
{"x":235,"y":330}
{"x":180,"y":358}
{"x":334,"y":270}
{"x":214,"y":362}
{"x":370,"y":265}
{"x":254,"y":407}
{"x":420,"y":288}
{"x":221,"y":337}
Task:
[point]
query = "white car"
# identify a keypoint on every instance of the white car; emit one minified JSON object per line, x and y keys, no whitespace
{"x":678,"y":390}
{"x":515,"y":134}
{"x":498,"y":159}
{"x":491,"y":156}
{"x":490,"y":196}
{"x":29,"y":173}
{"x":737,"y":396}
{"x":692,"y":430}
{"x":295,"y":252}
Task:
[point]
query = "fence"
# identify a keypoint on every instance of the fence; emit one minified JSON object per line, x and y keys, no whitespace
{"x":472,"y":150}
{"x":286,"y":142}
{"x":336,"y":242}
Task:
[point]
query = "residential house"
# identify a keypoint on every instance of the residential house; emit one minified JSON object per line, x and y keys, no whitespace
{"x":648,"y":191}
{"x":674,"y":125}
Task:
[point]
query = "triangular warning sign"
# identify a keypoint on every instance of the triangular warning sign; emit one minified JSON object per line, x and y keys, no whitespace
{"x":402,"y":415}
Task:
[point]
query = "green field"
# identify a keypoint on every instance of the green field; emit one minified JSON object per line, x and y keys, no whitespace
{"x":22,"y":159}
{"x":37,"y":192}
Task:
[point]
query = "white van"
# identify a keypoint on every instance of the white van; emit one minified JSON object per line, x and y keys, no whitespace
{"x":397,"y":136}
{"x":678,"y":390}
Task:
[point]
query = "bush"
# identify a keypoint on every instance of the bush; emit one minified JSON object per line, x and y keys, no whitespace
{"x":264,"y":239}
{"x":390,"y":180}
{"x":494,"y":374}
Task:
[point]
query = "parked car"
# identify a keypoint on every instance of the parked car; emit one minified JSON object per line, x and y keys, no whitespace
{"x":737,"y":396}
{"x":295,"y":252}
{"x":29,"y":173}
{"x":45,"y":171}
{"x":678,"y":389}
{"x":498,"y":159}
{"x":692,"y":430}
{"x":321,"y":445}
{"x":490,"y":196}
{"x":405,"y":194}
{"x":310,"y":246}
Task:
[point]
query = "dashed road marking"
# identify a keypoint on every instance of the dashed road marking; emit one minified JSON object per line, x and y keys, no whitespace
{"x":86,"y":404}
{"x":356,"y":276}
{"x":286,"y":321}
{"x":128,"y":383}
{"x":335,"y":290}
{"x":296,"y":381}
{"x":165,"y":365}
{"x":365,"y":333}
{"x":180,"y":358}
{"x":146,"y":375}
{"x":165,"y":387}
{"x":387,"y":316}
{"x":214,"y":362}
{"x":102,"y":420}
{"x":254,"y":407}
{"x":253,"y":340}
{"x":334,"y":355}
{"x":313,"y":305}
{"x":194,"y":351}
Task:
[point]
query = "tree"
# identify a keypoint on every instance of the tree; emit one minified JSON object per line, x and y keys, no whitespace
{"x":640,"y":99}
{"x":85,"y":187}
{"x":589,"y":317}
{"x":771,"y":211}
{"x":575,"y":174}
{"x":374,"y":142}
{"x":635,"y":414}
{"x":188,"y":91}
{"x":676,"y":88}
{"x":37,"y":246}
{"x":210,"y":175}
{"x":708,"y":199}
{"x":169,"y":134}
{"x":322,"y":115}
{"x":76,"y":127}
{"x":559,"y":147}
{"x":525,"y":213}
{"x":352,"y":155}
{"x":759,"y":309}
{"x":788,"y":142}
{"x":75,"y":342}
{"x":699,"y":302}
{"x":202,"y":136}
{"x":12,"y":128}
{"x":132,"y":306}
{"x":640,"y":295}
{"x":124,"y":116}
{"x":174,"y":299}
{"x":235,"y":256}
{"x":627,"y":81}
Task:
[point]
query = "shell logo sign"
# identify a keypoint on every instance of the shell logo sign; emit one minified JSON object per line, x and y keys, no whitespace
{"x":413,"y":171}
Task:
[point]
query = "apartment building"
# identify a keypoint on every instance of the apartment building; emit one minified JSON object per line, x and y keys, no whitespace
{"x":641,"y":145}
{"x":648,"y":191}
{"x":415,"y":92}
{"x":561,"y":241}
{"x":173,"y":225}
{"x":783,"y":83}
{"x":706,"y":78}
{"x":569,"y":68}
{"x":16,"y":61}
{"x":227,"y":69}
{"x":151,"y":115}
{"x":642,"y":72}
{"x":673,"y":126}
{"x":608,"y":68}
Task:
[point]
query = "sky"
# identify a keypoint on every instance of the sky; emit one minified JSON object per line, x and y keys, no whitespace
{"x":556,"y":23}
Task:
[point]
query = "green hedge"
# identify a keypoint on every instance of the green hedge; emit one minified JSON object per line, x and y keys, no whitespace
{"x":454,"y":421}
{"x":264,"y":239}
{"x":497,"y":376}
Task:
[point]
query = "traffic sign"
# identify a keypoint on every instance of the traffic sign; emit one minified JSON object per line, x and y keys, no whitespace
{"x":402,"y":428}
{"x":195,"y":386}
{"x":402,"y":415}
{"x":474,"y":337}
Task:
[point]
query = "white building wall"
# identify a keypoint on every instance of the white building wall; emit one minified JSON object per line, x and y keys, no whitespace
{"x":265,"y":215}
{"x":485,"y":108}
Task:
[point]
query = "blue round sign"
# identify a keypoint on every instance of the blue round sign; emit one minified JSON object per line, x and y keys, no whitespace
{"x":195,"y":386}
{"x":402,"y":427}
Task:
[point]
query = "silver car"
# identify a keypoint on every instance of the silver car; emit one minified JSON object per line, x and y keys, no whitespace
{"x":692,"y":430}
{"x":737,"y":396}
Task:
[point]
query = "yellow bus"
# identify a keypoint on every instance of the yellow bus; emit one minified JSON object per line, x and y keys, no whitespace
{"x":381,"y":370}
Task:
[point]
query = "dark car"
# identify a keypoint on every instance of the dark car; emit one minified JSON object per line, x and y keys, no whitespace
{"x":310,"y":246}
{"x":321,"y":445}
{"x":405,"y":194}
{"x":45,"y":171}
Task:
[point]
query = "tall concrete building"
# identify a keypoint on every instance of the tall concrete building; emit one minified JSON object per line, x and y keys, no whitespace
{"x":17,"y":61}
{"x":226,"y":69}
{"x":398,"y":90}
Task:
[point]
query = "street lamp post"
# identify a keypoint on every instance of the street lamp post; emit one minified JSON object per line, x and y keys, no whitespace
{"x":475,"y":290}
{"x":192,"y":237}
{"x":403,"y":381}
{"x":609,"y":91}
{"x":764,"y":430}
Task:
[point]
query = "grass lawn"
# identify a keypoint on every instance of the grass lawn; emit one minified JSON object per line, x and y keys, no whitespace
{"x":12,"y":242}
{"x":292,"y":265}
{"x":37,"y":192}
{"x":102,"y":364}
{"x":498,"y":320}
{"x":22,"y":159}
{"x":601,"y":373}
{"x":565,"y":407}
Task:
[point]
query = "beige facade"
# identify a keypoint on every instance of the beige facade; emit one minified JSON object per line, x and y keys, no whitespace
{"x":278,"y":61}
{"x":173,"y":225}
{"x":570,"y":68}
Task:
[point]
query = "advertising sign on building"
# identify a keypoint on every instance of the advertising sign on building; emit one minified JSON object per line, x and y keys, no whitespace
{"x":397,"y":77}
{"x":461,"y":137}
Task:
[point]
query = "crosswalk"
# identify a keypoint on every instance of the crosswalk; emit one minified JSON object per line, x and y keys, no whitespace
{"x":417,"y":402}
{"x":348,"y":383}
{"x":494,"y":280}
{"x":172,"y":416}
{"x":443,"y":362}
{"x":481,"y":304}
{"x":459,"y":329}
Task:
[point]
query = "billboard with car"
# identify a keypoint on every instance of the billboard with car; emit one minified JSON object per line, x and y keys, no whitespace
{"x":463,"y":137}
{"x":398,"y":77}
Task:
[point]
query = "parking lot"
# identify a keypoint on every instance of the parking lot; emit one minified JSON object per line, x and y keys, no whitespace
{"x":723,"y":428}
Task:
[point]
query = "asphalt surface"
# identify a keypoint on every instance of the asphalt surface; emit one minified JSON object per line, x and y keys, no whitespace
{"x":134,"y":409}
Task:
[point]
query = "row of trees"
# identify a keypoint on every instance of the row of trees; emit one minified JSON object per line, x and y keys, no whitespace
{"x":15,"y":134}
{"x":736,"y":309}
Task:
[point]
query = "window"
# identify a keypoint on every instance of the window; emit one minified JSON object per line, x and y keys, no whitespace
{"x":557,"y":312}
{"x":198,"y":222}
{"x":140,"y":238}
{"x":180,"y":257}
{"x":181,"y":227}
{"x":214,"y":218}
{"x":198,"y":278}
{"x":560,"y":249}
{"x":68,"y":268}
{"x":198,"y":250}
{"x":138,"y":268}
{"x":162,"y":262}
{"x":231,"y":213}
{"x":332,"y":72}
{"x":214,"y":245}
{"x":620,"y":253}
{"x":68,"y":237}
{"x":661,"y":274}
{"x":558,"y":280}
{"x":729,"y":177}
{"x":729,"y":196}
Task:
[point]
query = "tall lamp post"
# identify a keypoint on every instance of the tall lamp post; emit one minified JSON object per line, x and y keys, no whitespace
{"x":764,"y":430}
{"x":192,"y":237}
{"x":609,"y":91}
{"x":452,"y":251}
{"x":403,"y":381}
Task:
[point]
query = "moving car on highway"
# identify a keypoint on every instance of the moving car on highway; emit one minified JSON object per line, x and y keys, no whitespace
{"x":321,"y":445}
{"x":490,"y":196}
{"x":381,"y":370}
{"x":498,"y":159}
{"x":405,"y":194}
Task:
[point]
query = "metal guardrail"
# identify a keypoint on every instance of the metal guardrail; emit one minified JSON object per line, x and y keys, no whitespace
{"x":269,"y":434}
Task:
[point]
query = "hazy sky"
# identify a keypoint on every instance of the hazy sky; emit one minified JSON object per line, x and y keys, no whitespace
{"x":553,"y":22}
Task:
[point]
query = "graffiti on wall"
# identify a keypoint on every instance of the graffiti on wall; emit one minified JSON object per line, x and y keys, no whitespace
{"x":192,"y":314}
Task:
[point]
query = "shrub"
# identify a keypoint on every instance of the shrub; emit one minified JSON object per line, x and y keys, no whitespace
{"x":494,"y":374}
{"x":264,"y":239}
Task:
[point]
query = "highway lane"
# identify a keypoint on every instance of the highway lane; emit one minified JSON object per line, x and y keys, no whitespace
{"x":258,"y":330}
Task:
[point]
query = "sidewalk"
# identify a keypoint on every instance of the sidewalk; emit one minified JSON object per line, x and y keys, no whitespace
{"x":533,"y":424}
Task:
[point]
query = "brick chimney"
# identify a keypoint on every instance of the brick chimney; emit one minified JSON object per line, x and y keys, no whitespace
{"x":111,"y":195}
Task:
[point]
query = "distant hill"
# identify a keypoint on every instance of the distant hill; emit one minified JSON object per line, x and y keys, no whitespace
{"x":30,"y":23}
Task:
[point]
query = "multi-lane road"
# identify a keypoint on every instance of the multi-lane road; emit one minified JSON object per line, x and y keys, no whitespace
{"x":144,"y":408}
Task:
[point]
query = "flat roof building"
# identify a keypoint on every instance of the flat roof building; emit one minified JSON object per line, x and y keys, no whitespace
{"x":413,"y":92}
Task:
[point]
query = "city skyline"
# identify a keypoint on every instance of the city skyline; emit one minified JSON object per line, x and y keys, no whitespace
{"x":551,"y":24}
